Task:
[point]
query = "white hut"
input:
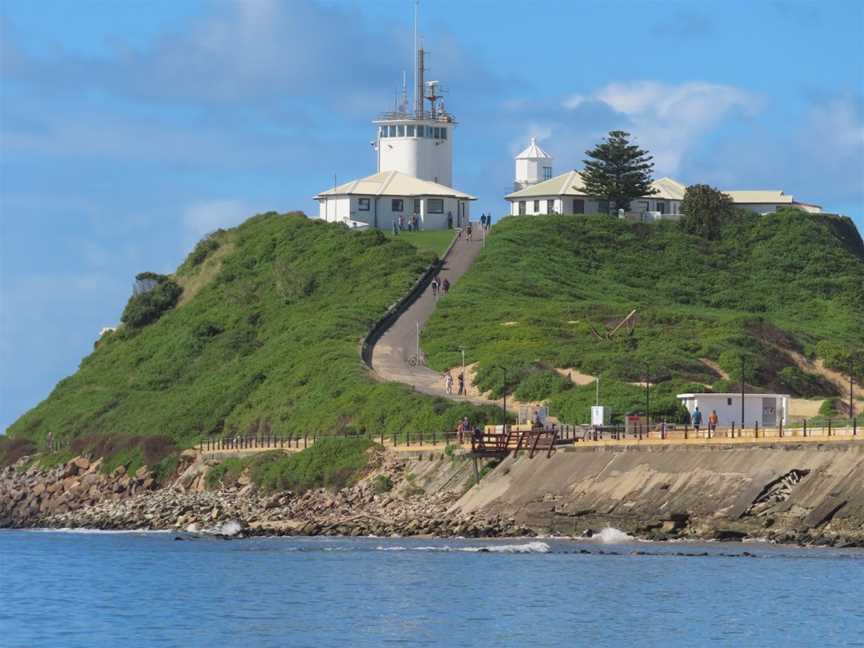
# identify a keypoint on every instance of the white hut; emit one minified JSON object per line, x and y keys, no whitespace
{"x":769,"y":410}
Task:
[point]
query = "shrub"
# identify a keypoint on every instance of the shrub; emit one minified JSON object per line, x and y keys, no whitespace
{"x":331,"y":462}
{"x":203,"y":249}
{"x":704,"y":211}
{"x":145,"y":308}
{"x":11,"y":450}
{"x":157,"y":452}
{"x":830,"y":407}
{"x":540,"y":385}
{"x":802,"y":383}
{"x":382,"y":484}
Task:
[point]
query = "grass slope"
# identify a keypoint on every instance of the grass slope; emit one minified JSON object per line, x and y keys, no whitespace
{"x":269,"y":340}
{"x":435,"y":241}
{"x":782,"y":281}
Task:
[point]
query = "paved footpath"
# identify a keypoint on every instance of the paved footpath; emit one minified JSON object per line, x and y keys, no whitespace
{"x":391,"y":354}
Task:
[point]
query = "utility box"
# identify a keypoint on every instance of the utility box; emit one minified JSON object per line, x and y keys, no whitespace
{"x":600,"y":415}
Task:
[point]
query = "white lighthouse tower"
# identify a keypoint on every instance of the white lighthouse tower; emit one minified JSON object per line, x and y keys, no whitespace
{"x":413,"y":185}
{"x":533,"y":165}
{"x":418,"y":143}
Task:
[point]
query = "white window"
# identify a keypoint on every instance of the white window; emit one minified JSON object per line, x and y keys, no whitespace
{"x":521,"y":207}
{"x":411,"y":130}
{"x":417,"y":205}
{"x":382,"y":131}
{"x":437,"y":133}
{"x":547,"y":173}
{"x":578,"y":206}
{"x":363,"y":204}
{"x":420,"y":130}
{"x":397,"y":205}
{"x":536,"y":206}
{"x":550,"y":206}
{"x":400,"y":131}
{"x":392,"y":131}
{"x":661,"y":207}
{"x":435,"y":205}
{"x":443,"y":133}
{"x":429,"y":132}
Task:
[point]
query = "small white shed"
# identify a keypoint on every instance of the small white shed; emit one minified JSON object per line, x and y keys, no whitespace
{"x":768,"y":409}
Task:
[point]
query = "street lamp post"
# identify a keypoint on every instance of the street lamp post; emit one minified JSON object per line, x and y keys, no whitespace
{"x":504,"y":392}
{"x":464,"y":378}
{"x":851,"y":389}
{"x":742,"y":394}
{"x":647,"y":397}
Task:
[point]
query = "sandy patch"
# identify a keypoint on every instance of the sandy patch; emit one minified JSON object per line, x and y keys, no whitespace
{"x":509,"y":323}
{"x":576,"y":376}
{"x":714,"y":367}
{"x":804,"y":407}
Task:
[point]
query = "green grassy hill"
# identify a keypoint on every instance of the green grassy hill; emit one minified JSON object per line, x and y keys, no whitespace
{"x":782,"y":282}
{"x":265,"y":336}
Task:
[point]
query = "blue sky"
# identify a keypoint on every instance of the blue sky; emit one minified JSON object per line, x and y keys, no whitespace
{"x":130,"y":129}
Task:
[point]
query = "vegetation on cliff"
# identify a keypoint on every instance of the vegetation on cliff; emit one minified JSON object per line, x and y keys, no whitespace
{"x":332,"y":462}
{"x":546,"y":290}
{"x":265,"y":338}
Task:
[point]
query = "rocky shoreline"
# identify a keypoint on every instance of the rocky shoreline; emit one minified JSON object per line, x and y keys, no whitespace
{"x":79,"y":494}
{"x":429,"y":497}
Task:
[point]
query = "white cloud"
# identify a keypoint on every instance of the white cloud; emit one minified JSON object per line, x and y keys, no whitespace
{"x":670,"y":119}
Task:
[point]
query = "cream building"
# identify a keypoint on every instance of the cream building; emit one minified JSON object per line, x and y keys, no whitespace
{"x":382,"y":199}
{"x":565,"y":194}
{"x":414,"y":151}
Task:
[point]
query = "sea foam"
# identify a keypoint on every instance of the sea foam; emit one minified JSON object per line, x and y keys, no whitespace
{"x":528,"y":547}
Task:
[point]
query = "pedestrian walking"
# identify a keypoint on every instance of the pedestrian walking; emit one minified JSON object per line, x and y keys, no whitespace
{"x":401,"y":222}
{"x":712,"y":422}
{"x":468,"y":232}
{"x":461,"y":381}
{"x":696,"y":419}
{"x":483,"y":220}
{"x":435,"y":286}
{"x":445,"y":285}
{"x":448,"y":382}
{"x":395,"y":228}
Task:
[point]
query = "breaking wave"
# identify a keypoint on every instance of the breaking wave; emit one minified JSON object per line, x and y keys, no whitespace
{"x":611,"y":535}
{"x":229,"y":528}
{"x":89,"y":531}
{"x":528,"y":547}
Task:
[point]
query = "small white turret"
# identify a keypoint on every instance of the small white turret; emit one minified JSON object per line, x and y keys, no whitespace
{"x":533,"y":165}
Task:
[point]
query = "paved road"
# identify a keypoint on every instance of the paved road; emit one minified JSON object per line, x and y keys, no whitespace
{"x":391,"y":354}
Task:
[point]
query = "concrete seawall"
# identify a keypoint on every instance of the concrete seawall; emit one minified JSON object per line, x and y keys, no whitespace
{"x":788,"y":492}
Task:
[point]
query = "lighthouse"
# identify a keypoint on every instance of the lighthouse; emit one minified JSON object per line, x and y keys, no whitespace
{"x":533,"y":165}
{"x":418,"y":142}
{"x":413,"y":185}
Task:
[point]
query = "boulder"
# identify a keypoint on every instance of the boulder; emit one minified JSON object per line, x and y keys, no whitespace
{"x":141,"y":473}
{"x":81,"y":463}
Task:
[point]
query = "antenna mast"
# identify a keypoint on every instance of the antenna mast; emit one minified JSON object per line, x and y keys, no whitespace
{"x":416,"y":98}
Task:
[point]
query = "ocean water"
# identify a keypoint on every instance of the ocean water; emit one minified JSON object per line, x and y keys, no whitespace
{"x":147,"y":589}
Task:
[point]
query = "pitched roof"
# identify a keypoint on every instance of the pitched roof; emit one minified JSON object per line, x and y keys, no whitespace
{"x":669,"y":189}
{"x":533,"y":152}
{"x":566,"y":184}
{"x":570,"y":184}
{"x":762,"y":196}
{"x":393,"y":183}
